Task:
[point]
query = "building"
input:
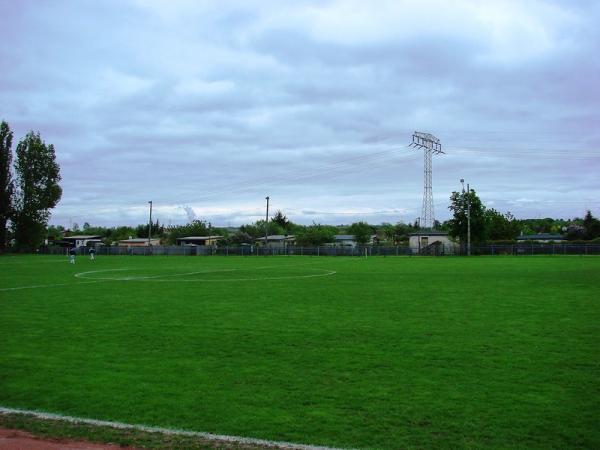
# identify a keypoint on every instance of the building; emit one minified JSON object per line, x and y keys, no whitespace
{"x":348,"y":240}
{"x":199,"y":240}
{"x":138,"y":242}
{"x":277,"y":240}
{"x":82,"y":240}
{"x":430,"y":242}
{"x":541,"y":237}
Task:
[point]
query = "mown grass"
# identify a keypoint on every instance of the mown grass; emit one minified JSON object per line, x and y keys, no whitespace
{"x":387,"y":353}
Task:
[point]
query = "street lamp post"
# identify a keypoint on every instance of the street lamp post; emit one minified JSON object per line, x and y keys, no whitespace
{"x":266,"y":224}
{"x":468,"y":198}
{"x":150,"y":225}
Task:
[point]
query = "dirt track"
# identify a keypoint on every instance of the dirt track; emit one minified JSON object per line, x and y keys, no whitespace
{"x":20,"y":440}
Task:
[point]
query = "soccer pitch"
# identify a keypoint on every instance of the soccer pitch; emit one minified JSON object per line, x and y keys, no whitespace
{"x":493,"y":352}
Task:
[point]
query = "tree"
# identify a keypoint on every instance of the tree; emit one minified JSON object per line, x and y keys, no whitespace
{"x":591,"y":225}
{"x":388,"y":231}
{"x":457,"y":226}
{"x":241,"y":238}
{"x":194,"y":228}
{"x":361,"y":231}
{"x":158,"y":230}
{"x":316,"y":234}
{"x":37,"y":190}
{"x":257,"y":229}
{"x":500,"y":227}
{"x":402,"y":231}
{"x":280,"y":219}
{"x":6,"y":183}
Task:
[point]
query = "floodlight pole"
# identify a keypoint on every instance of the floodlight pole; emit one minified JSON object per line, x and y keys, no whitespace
{"x":430,"y":146}
{"x":150,"y":225}
{"x":267,"y":222}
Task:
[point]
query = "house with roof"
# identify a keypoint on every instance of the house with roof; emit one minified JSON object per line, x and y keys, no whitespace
{"x":199,"y":240}
{"x":276,"y":240}
{"x":138,"y":242}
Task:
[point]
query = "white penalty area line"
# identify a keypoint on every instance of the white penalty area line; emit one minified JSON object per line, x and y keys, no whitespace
{"x":168,"y":431}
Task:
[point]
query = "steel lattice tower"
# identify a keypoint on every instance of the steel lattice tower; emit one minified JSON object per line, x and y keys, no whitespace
{"x":431,"y":145}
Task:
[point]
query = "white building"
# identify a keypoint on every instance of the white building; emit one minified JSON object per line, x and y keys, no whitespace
{"x":431,"y":242}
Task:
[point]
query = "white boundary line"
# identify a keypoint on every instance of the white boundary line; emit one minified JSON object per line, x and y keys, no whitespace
{"x":167,"y":431}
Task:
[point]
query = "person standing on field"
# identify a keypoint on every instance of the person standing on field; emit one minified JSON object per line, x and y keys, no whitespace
{"x":92,"y":253}
{"x":72,"y":253}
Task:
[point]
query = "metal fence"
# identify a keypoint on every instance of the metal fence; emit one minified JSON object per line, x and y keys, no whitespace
{"x":439,"y":250}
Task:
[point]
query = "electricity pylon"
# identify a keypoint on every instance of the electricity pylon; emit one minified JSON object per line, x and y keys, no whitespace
{"x":431,"y":145}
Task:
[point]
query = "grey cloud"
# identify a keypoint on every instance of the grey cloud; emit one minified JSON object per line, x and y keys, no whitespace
{"x":217,"y":107}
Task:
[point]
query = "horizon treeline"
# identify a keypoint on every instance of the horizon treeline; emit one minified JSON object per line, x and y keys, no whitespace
{"x":497,"y":228}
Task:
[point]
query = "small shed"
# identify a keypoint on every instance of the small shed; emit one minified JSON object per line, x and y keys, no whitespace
{"x":430,"y":241}
{"x":138,"y":242}
{"x":199,"y":240}
{"x":277,"y":240}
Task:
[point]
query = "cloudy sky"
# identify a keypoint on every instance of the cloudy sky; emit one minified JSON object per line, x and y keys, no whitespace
{"x":206,"y":107}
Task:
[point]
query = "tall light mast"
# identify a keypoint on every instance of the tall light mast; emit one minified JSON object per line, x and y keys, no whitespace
{"x":431,"y":146}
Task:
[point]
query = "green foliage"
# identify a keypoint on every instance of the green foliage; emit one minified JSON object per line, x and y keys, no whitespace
{"x":395,"y":234}
{"x":402,"y":232}
{"x":499,"y":226}
{"x":158,"y":230}
{"x":257,"y":229}
{"x":55,"y":232}
{"x":545,"y":225}
{"x":591,"y":226}
{"x":316,"y":234}
{"x":458,"y":225}
{"x":37,"y":190}
{"x":194,"y":228}
{"x":6,"y":183}
{"x":361,"y":231}
{"x":241,"y":237}
{"x":280,"y":219}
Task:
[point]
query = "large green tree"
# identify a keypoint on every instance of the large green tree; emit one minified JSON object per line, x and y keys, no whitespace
{"x":458,"y":225}
{"x":6,"y":184}
{"x":591,"y":226}
{"x":280,"y":219}
{"x":361,"y":231}
{"x":501,"y":226}
{"x":316,"y":234}
{"x":37,"y":190}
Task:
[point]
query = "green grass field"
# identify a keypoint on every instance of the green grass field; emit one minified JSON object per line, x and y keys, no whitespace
{"x":495,"y":352}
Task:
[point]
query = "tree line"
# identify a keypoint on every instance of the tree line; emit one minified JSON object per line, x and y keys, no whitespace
{"x":29,"y":188}
{"x":487,"y":225}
